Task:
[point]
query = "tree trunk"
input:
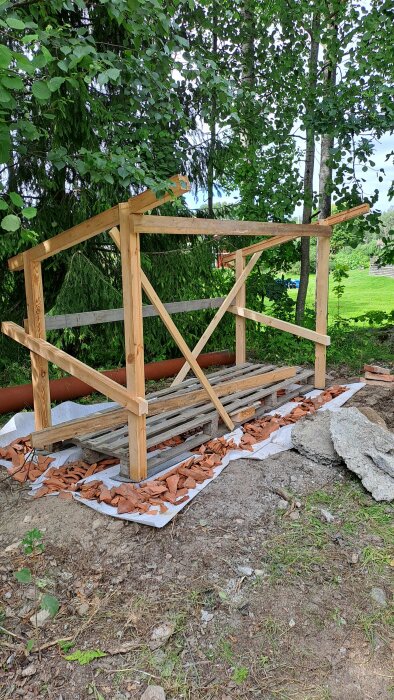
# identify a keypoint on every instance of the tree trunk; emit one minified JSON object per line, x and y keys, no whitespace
{"x":309,"y":169}
{"x":212,"y":129}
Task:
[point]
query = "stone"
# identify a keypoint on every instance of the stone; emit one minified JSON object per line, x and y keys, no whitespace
{"x":328,"y":517}
{"x":379,"y":596}
{"x":30,"y":670}
{"x":154,"y":692}
{"x":83,"y":609}
{"x":43,"y":616}
{"x":311,"y":437}
{"x":161,"y":634}
{"x":206,"y":616}
{"x":245,"y":570}
{"x":373,"y":416}
{"x":282,"y":504}
{"x":367,"y":449}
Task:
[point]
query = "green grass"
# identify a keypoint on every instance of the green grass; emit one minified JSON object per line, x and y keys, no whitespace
{"x":362,"y":293}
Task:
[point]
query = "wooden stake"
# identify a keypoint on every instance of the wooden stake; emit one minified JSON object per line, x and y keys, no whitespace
{"x":240,"y":322}
{"x":36,"y":323}
{"x":134,"y":342}
{"x":322,"y":276}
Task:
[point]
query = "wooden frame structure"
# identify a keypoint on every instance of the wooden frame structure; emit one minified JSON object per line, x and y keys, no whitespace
{"x":126,"y":222}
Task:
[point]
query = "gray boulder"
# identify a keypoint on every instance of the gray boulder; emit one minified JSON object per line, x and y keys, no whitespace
{"x":311,"y":437}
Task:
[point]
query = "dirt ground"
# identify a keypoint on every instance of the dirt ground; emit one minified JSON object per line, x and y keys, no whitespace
{"x":254,"y":596}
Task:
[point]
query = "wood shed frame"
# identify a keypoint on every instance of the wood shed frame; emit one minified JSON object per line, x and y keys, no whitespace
{"x":126,"y":222}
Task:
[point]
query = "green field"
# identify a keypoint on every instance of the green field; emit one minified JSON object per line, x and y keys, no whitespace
{"x":362,"y":293}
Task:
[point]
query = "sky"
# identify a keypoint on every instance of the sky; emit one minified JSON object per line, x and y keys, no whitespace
{"x":382,"y":147}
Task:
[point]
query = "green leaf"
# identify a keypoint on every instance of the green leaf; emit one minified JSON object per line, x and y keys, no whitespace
{"x":65,"y":645}
{"x":55,"y":83}
{"x":5,"y":145}
{"x":50,"y":603}
{"x":13,"y":82}
{"x":29,"y":212}
{"x":23,"y":575}
{"x":4,"y":95}
{"x":113,"y":73}
{"x":16,"y":199}
{"x":15,"y":23}
{"x":5,"y":56}
{"x":11,"y":222}
{"x":103,"y":78}
{"x":3,"y":205}
{"x":41,"y":90}
{"x":85,"y":657}
{"x":29,"y":645}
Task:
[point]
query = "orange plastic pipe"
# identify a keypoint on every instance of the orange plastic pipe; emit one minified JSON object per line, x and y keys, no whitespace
{"x":15,"y":398}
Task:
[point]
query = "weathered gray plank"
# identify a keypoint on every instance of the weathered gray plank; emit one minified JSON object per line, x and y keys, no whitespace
{"x":89,"y":318}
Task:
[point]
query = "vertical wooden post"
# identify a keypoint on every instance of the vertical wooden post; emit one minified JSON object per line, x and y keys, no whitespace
{"x":322,"y":275}
{"x":36,"y":325}
{"x":240,"y":322}
{"x":134,"y":340}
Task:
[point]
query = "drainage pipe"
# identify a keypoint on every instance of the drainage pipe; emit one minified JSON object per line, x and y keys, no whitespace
{"x":15,"y":398}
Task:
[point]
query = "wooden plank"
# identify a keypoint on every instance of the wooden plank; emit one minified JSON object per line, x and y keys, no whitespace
{"x":147,"y":200}
{"x":346,"y":215}
{"x":240,"y":323}
{"x":186,"y":226}
{"x":134,"y":340}
{"x":102,"y":222}
{"x":36,"y":324}
{"x":89,"y":318}
{"x":218,"y":316}
{"x":185,"y":350}
{"x":322,"y":277}
{"x":256,"y":247}
{"x":76,"y":368}
{"x":224,"y":389}
{"x":281,"y":325}
{"x":66,"y":239}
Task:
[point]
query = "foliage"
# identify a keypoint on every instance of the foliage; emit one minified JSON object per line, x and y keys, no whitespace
{"x":85,"y":656}
{"x":340,"y":273}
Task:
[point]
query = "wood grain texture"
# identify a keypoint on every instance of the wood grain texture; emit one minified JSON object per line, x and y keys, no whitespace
{"x":218,"y":316}
{"x":36,"y":325}
{"x":178,"y":225}
{"x":256,"y":247}
{"x":346,"y":215}
{"x":76,"y":368}
{"x":240,"y":323}
{"x":322,"y":277}
{"x":185,"y":350}
{"x":281,"y":325}
{"x":134,"y":340}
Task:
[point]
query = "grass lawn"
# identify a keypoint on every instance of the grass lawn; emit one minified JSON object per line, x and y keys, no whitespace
{"x":362,"y":293}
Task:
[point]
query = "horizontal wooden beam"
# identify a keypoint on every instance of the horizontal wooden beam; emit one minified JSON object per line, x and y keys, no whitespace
{"x":186,"y":226}
{"x":90,"y":318}
{"x":66,"y":239}
{"x":257,"y":247}
{"x":346,"y":215}
{"x":281,"y":325}
{"x":114,"y":418}
{"x":102,"y":222}
{"x":76,"y":368}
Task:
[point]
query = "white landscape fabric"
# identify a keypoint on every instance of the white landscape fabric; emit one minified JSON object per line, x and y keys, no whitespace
{"x":23,"y":424}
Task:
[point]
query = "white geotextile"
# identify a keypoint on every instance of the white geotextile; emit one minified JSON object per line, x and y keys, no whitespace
{"x":279,"y":441}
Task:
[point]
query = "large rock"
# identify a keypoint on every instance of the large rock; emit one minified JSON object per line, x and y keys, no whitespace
{"x":311,"y":437}
{"x":367,"y":449}
{"x":154,"y":692}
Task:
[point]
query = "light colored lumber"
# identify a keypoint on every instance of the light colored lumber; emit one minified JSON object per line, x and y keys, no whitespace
{"x":240,"y":324}
{"x":66,"y":239}
{"x":256,"y":247}
{"x":377,"y":369}
{"x":322,"y":277}
{"x":346,"y":215}
{"x":180,"y":225}
{"x":224,"y":389}
{"x":185,"y":350}
{"x":134,"y":340}
{"x":147,"y":200}
{"x":218,"y":316}
{"x":76,"y":368}
{"x":243,"y":414}
{"x":281,"y":325}
{"x":36,"y":325}
{"x":88,"y":318}
{"x":102,"y":222}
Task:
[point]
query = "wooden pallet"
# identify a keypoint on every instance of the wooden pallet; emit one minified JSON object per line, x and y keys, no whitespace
{"x":197,"y":423}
